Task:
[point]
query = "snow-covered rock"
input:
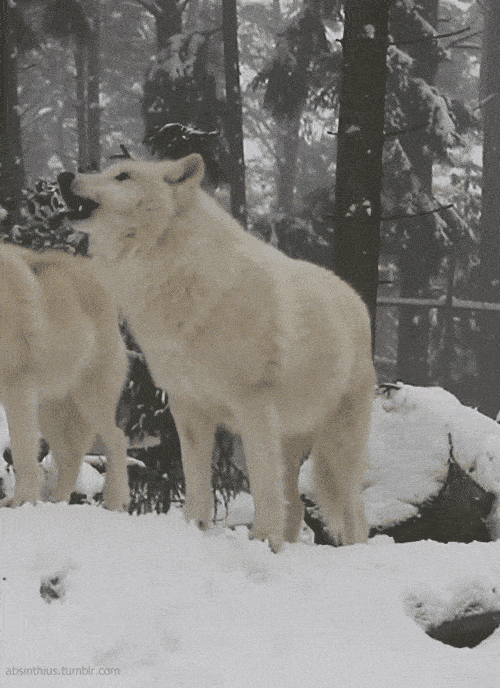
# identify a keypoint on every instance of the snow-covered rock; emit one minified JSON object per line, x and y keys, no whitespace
{"x":414,"y":432}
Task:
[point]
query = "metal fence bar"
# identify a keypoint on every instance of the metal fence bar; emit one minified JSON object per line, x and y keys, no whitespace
{"x":437,"y":303}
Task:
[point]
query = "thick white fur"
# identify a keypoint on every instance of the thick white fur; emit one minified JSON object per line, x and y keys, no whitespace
{"x":62,"y":367}
{"x":277,"y":350}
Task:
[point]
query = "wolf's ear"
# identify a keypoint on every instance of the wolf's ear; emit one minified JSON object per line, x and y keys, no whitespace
{"x":189,"y":169}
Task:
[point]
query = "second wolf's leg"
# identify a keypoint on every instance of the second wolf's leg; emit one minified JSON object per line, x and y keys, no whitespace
{"x":21,"y":407}
{"x":99,"y":414}
{"x":196,"y":434}
{"x":69,"y":435}
{"x":293,"y":451}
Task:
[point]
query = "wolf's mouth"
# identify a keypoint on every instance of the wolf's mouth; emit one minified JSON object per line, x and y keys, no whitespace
{"x":80,"y":208}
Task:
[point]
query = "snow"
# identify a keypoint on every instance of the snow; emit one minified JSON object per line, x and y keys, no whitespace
{"x":153,"y":601}
{"x":167,"y":605}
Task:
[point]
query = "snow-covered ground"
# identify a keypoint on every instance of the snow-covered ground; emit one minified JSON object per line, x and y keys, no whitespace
{"x":151,"y":601}
{"x":165,"y":605}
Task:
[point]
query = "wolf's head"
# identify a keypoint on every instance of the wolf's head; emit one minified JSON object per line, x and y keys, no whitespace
{"x":130,"y":207}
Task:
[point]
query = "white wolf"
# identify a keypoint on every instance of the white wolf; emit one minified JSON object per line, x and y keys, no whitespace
{"x":277,"y":350}
{"x":62,"y":367}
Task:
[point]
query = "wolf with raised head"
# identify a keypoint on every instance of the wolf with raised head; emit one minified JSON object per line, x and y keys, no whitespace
{"x":276,"y":350}
{"x":62,"y":367}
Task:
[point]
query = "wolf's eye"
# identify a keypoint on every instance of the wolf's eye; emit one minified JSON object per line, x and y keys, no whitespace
{"x":122,"y":176}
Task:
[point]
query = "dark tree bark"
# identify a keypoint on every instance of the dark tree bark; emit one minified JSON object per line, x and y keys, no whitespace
{"x":80,"y":55}
{"x":168,"y":18}
{"x":234,"y":120}
{"x":79,"y":20}
{"x":93,"y":87}
{"x":488,"y":287}
{"x":414,"y":326}
{"x":357,"y":211}
{"x":11,"y":158}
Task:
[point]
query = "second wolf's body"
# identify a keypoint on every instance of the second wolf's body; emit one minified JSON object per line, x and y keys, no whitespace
{"x":62,"y":367}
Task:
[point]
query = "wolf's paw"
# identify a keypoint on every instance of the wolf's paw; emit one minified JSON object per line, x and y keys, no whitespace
{"x":59,"y":496}
{"x":200,"y":514}
{"x":200,"y":524}
{"x":275,"y":540}
{"x":117,"y":505}
{"x":118,"y":502}
{"x":28,"y":495}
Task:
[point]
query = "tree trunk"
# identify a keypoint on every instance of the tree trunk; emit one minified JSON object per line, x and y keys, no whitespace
{"x":357,"y":211}
{"x":287,"y":152}
{"x":168,"y":18}
{"x":11,"y":157}
{"x":488,"y":287}
{"x":93,"y":105}
{"x":414,"y":324}
{"x":234,"y":118}
{"x":81,"y":103}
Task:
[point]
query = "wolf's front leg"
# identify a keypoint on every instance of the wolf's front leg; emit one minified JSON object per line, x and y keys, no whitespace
{"x":21,"y":407}
{"x":262,"y":442}
{"x":196,"y":434}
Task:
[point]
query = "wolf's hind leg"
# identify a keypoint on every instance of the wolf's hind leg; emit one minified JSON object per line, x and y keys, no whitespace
{"x":293,"y":452}
{"x":339,"y":459}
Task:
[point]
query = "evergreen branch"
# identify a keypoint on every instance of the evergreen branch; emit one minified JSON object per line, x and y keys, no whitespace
{"x":389,"y":134}
{"x":464,"y":47}
{"x":432,"y":38}
{"x":485,"y":100}
{"x":471,"y":35}
{"x":412,"y":215}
